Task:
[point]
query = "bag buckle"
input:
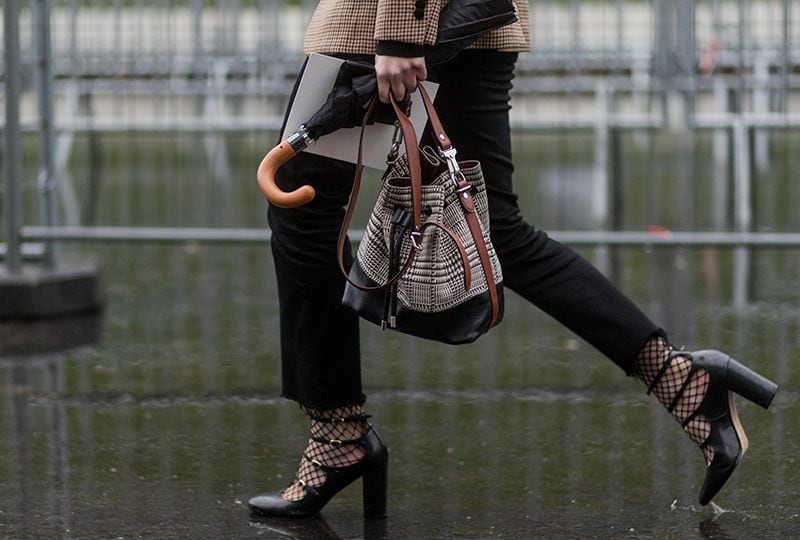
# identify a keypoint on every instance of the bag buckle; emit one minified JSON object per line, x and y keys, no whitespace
{"x":449,"y":157}
{"x":416,"y":239}
{"x":394,"y":149}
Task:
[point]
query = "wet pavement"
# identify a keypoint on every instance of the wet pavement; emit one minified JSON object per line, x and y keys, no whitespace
{"x":162,"y":416}
{"x":166,"y":425}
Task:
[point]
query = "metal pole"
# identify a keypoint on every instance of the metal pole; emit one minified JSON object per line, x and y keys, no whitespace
{"x":44,"y":89}
{"x":743,"y":177}
{"x":601,"y":190}
{"x":740,"y":105}
{"x":663,"y":48}
{"x":743,"y":201}
{"x":687,"y":22}
{"x":588,"y":238}
{"x":722,"y":153}
{"x":785,"y":58}
{"x":13,"y":172}
{"x":600,"y":174}
{"x":761,"y":93}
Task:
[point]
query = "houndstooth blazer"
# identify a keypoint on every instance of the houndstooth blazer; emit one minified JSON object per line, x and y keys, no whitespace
{"x":397,"y":27}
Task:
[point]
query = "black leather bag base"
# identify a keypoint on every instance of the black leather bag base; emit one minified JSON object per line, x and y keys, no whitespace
{"x":472,"y":316}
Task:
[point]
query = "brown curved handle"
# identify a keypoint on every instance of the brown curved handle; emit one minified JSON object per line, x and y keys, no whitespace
{"x":266,"y":179}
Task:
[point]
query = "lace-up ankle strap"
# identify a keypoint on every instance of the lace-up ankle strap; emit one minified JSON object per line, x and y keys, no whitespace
{"x":686,"y":381}
{"x":337,"y":442}
{"x":305,"y":486}
{"x":338,"y":419}
{"x":313,"y":461}
{"x":317,"y":416}
{"x":664,"y":367}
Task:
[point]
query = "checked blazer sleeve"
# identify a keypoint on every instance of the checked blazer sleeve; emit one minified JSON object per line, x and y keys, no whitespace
{"x":410,"y":22}
{"x":396,"y":27}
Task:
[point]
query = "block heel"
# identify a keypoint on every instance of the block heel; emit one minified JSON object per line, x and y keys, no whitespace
{"x":374,"y":486}
{"x":749,"y":384}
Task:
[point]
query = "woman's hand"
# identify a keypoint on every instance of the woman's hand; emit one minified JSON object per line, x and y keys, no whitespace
{"x":398,"y":75}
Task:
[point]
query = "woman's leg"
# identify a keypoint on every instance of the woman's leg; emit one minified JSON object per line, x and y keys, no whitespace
{"x":473,"y":102}
{"x":319,"y":341}
{"x":320,"y":356}
{"x":319,"y":337}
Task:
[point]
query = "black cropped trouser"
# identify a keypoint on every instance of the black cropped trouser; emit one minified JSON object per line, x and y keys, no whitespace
{"x":320,"y":338}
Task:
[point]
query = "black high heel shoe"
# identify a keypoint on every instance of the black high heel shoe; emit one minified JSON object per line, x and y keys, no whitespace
{"x":727,"y":437}
{"x":373,"y":468}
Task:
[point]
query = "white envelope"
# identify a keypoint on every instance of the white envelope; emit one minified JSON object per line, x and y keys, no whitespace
{"x":315,"y":85}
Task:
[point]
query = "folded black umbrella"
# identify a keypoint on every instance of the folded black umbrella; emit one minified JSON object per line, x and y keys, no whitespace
{"x":461,"y":23}
{"x":347,"y":102}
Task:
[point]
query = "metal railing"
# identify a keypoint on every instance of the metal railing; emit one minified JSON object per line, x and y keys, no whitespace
{"x":100,"y":68}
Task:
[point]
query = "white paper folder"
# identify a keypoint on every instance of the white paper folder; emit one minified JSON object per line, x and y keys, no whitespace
{"x":315,"y":85}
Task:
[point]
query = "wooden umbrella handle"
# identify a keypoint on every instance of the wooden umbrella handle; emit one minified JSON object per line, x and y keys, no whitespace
{"x":266,"y":179}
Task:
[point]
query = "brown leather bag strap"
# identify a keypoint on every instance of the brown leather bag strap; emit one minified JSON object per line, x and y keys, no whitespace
{"x":468,"y":204}
{"x":461,"y":250}
{"x":436,"y":124}
{"x":348,"y":216}
{"x":414,"y":166}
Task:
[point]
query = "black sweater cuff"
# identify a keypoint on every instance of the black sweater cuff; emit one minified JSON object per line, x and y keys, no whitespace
{"x":398,"y":48}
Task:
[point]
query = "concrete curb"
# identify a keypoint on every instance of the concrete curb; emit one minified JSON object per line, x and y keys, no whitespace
{"x":38,"y":293}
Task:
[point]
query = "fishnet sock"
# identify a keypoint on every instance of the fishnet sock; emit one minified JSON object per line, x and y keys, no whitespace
{"x":308,"y":473}
{"x":650,"y":361}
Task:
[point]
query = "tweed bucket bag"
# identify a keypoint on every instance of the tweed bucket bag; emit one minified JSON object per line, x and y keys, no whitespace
{"x":426,"y":265}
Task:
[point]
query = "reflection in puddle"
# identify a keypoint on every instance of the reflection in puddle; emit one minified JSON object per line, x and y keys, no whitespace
{"x":317,"y":528}
{"x":28,"y":338}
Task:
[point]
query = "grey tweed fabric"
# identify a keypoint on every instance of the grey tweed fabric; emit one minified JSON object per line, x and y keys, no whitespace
{"x":435,"y":281}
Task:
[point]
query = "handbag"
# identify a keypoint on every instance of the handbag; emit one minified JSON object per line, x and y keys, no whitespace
{"x":425,"y":265}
